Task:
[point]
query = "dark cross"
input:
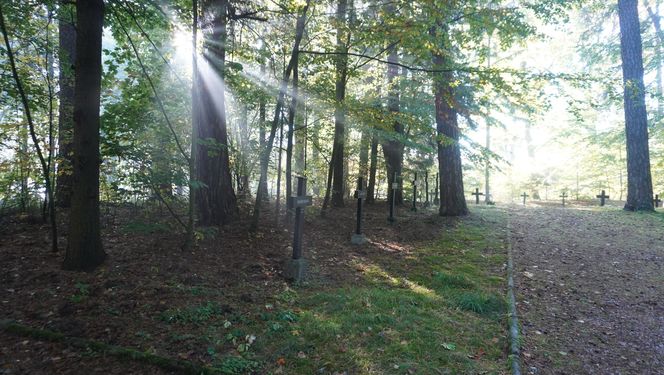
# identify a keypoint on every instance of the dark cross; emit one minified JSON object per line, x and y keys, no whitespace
{"x":524,"y":196}
{"x":360,"y":194}
{"x":602,"y":198}
{"x":296,"y":266}
{"x":426,"y":187}
{"x":563,"y":196}
{"x":395,"y":187}
{"x":436,"y":198}
{"x":477,"y":195}
{"x":657,"y":200}
{"x":414,"y":208}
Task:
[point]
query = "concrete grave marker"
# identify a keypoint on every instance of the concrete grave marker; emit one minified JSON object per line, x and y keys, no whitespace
{"x":524,"y":196}
{"x":360,"y":194}
{"x":477,"y":195}
{"x":296,"y":266}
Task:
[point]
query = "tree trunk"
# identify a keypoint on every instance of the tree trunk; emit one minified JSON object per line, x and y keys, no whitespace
{"x":392,"y":147}
{"x":639,"y":180}
{"x":341,"y":68}
{"x":84,"y":246}
{"x":216,"y":201}
{"x":292,"y":109}
{"x":453,"y":200}
{"x":371,"y":186}
{"x":67,"y":43}
{"x":244,"y":190}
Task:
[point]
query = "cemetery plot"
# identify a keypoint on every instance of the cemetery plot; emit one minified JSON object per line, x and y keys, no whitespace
{"x":426,"y":293}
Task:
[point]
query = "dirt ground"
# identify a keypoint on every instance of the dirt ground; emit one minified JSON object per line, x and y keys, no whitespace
{"x":146,"y":275}
{"x":589,"y":284}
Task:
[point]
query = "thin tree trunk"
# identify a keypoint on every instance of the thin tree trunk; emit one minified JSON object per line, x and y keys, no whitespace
{"x":193,"y":185}
{"x":392,"y":147}
{"x":639,"y":180}
{"x":84,"y":246}
{"x":277,"y":208}
{"x":289,"y":150}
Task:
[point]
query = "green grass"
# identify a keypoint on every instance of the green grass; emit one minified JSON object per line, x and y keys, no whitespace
{"x":440,"y":311}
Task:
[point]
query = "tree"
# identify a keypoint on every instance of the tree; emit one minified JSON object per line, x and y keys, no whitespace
{"x":84,"y":246}
{"x":453,"y":200}
{"x":216,"y":201}
{"x":341,"y":78}
{"x":639,"y":179}
{"x":67,"y":44}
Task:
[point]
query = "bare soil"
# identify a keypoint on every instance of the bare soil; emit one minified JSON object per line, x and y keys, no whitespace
{"x":590,"y":282}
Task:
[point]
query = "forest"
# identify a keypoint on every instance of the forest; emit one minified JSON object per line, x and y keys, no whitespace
{"x":331,"y":187}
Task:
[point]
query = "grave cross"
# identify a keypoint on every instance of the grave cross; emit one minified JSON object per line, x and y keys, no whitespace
{"x":657,"y":200}
{"x":358,"y":237}
{"x":602,"y":198}
{"x":563,"y":196}
{"x":524,"y":196}
{"x":395,"y":187}
{"x":414,"y":208}
{"x":296,"y":267}
{"x":477,"y":195}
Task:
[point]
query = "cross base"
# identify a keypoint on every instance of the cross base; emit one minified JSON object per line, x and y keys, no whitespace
{"x":295,"y":270}
{"x":358,"y":239}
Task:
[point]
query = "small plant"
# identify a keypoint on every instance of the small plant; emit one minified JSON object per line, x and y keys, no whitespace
{"x":194,"y":314}
{"x":82,"y":292}
{"x":452,"y":281}
{"x":237,"y":365}
{"x":481,"y":303}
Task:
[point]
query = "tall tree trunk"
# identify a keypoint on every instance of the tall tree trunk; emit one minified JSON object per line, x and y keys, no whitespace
{"x":292,"y":109}
{"x":265,"y":153}
{"x":261,"y":142}
{"x":84,"y":247}
{"x":193,"y":185}
{"x":487,"y":166}
{"x":67,"y":43}
{"x":217,"y":204}
{"x":392,"y":147}
{"x":341,"y":72}
{"x":364,"y":153}
{"x":639,"y":180}
{"x":371,"y":186}
{"x":453,"y":200}
{"x":244,"y":190}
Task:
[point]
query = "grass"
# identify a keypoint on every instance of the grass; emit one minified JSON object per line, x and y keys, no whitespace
{"x":441,"y":311}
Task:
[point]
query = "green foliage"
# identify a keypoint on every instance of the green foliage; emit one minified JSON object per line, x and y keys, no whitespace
{"x":193,"y":314}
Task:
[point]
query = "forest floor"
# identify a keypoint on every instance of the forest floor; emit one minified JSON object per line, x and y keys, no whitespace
{"x":590,"y":282}
{"x":425,"y":296}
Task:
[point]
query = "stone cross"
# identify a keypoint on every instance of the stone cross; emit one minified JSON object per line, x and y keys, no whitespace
{"x":602,"y":198}
{"x":414,"y":208}
{"x":395,"y":187}
{"x":524,"y":196}
{"x":296,"y":267}
{"x":657,"y":200}
{"x":563,"y":196}
{"x":477,"y":195}
{"x":360,"y":194}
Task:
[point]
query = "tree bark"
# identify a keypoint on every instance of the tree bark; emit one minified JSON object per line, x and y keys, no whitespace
{"x":453,"y":200}
{"x":216,"y":201}
{"x":67,"y":44}
{"x":371,"y":186}
{"x":392,"y":147}
{"x":639,"y":179}
{"x":341,"y":71}
{"x":84,"y":246}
